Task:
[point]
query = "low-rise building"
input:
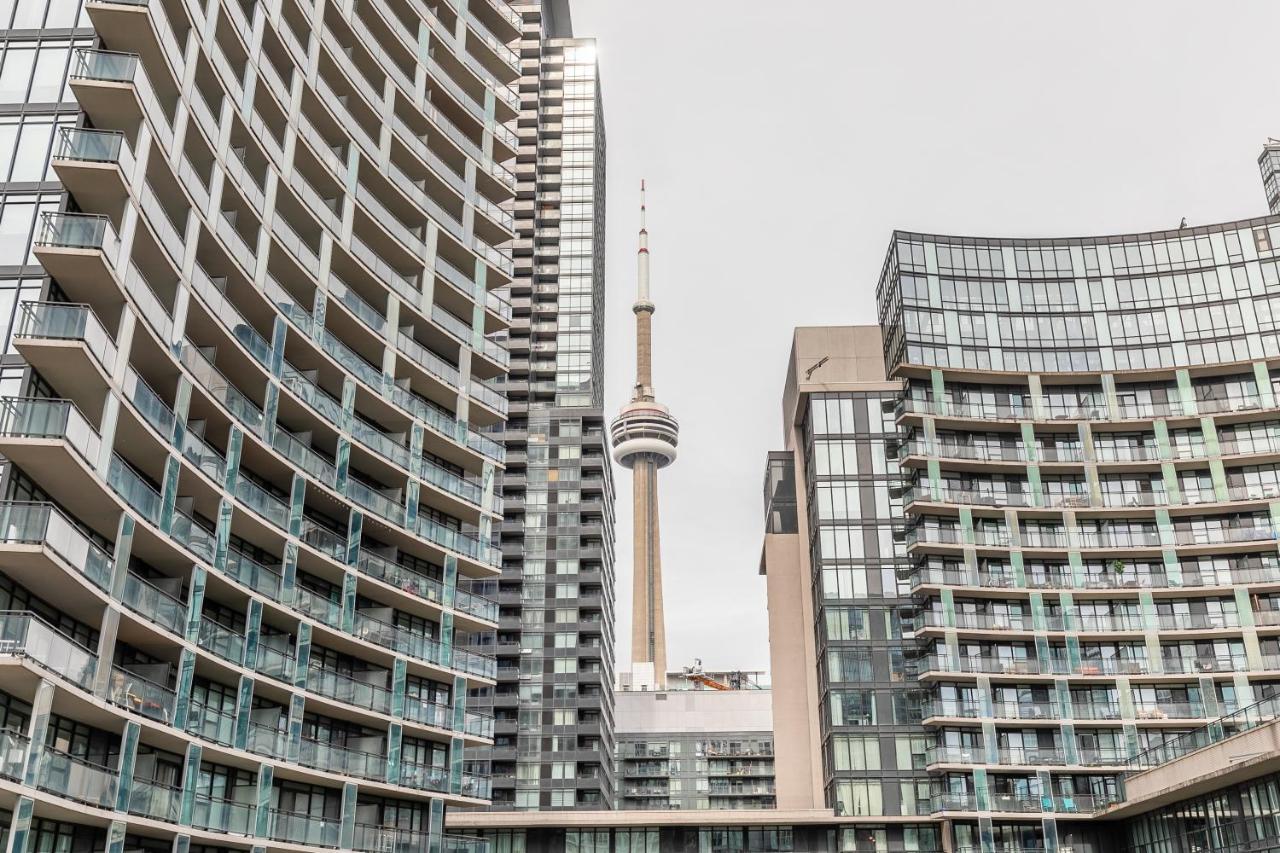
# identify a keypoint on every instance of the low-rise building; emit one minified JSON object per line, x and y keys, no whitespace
{"x":695,"y":749}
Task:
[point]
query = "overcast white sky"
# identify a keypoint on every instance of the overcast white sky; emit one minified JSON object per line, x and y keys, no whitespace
{"x":783,"y":141}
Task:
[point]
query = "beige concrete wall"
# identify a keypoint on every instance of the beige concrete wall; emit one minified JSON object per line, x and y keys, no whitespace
{"x":793,"y":671}
{"x":648,"y":711}
{"x":854,"y":356}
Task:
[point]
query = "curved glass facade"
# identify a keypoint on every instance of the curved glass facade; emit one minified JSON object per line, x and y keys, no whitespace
{"x":1143,"y":302}
{"x":1089,"y":435}
{"x":251,"y":463}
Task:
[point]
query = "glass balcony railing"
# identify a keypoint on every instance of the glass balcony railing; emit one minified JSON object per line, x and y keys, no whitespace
{"x":464,"y":844}
{"x":95,"y":146}
{"x":318,"y":607}
{"x":137,"y":694}
{"x":1024,"y":710}
{"x":79,"y":231}
{"x":428,"y":713}
{"x":77,"y":779}
{"x":68,"y":322}
{"x":401,"y":577}
{"x":1197,"y":621}
{"x":254,"y":575}
{"x":1205,"y":663}
{"x":1095,"y":711}
{"x":354,"y":303}
{"x":981,"y":664}
{"x":305,"y":829}
{"x":491,"y":397}
{"x":387,"y":635}
{"x":477,"y":724}
{"x":211,"y":379}
{"x":450,"y":481}
{"x":424,"y":777}
{"x":369,"y":838}
{"x":428,"y":361}
{"x":149,"y":798}
{"x":154,"y":604}
{"x":455,"y":540}
{"x":269,"y":740}
{"x":1021,"y":756}
{"x":13,"y":754}
{"x":211,"y":723}
{"x":494,"y":43}
{"x":112,"y":67}
{"x":36,"y":417}
{"x":262,"y":502}
{"x":475,"y":663}
{"x":219,"y":815}
{"x":951,"y":708}
{"x":221,"y":640}
{"x":23,"y":634}
{"x":344,"y":688}
{"x":134,"y":490}
{"x":275,"y":661}
{"x":152,"y":309}
{"x":476,"y":785}
{"x":476,"y":605}
{"x":1102,"y":757}
{"x":376,"y":502}
{"x":1243,"y":720}
{"x":36,"y":523}
{"x":335,"y":759}
{"x":1099,"y":666}
{"x":324,"y":540}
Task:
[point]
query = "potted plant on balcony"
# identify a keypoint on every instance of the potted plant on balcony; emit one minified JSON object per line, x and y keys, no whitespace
{"x":1118,"y":569}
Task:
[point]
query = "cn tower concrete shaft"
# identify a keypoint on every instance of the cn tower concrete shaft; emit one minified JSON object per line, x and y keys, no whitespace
{"x":648,"y":628}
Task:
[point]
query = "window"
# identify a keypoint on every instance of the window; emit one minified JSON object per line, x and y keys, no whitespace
{"x":858,"y":798}
{"x":856,"y":752}
{"x":853,"y":708}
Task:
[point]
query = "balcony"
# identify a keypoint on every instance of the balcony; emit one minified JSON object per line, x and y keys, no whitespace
{"x":1207,"y":663}
{"x":69,"y":346}
{"x":980,"y":664}
{"x":335,"y":759}
{"x":1197,"y":621}
{"x":306,"y":829}
{"x":96,"y":166}
{"x":348,"y":690}
{"x":77,"y":779}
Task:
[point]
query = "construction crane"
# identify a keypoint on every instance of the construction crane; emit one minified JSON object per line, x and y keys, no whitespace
{"x":697,"y":676}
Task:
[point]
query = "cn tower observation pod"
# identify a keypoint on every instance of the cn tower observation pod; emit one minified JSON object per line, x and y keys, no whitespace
{"x":644,"y":429}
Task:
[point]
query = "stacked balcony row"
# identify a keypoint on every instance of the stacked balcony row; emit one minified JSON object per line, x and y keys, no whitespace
{"x":251,"y":478}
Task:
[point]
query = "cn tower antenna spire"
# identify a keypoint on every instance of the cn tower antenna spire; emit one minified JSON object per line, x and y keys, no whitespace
{"x":642,"y":257}
{"x":644,"y":440}
{"x":643,"y":309}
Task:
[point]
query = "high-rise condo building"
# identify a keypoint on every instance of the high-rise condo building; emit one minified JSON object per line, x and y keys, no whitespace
{"x":249,"y":419}
{"x":845,"y":699}
{"x":1089,"y":433}
{"x":1039,"y":541}
{"x":700,"y":744}
{"x":553,"y":703}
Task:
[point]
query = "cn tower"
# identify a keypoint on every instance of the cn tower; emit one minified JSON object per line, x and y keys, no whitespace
{"x":644,"y":440}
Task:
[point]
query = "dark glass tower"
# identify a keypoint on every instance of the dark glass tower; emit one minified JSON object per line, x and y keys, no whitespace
{"x":553,"y":703}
